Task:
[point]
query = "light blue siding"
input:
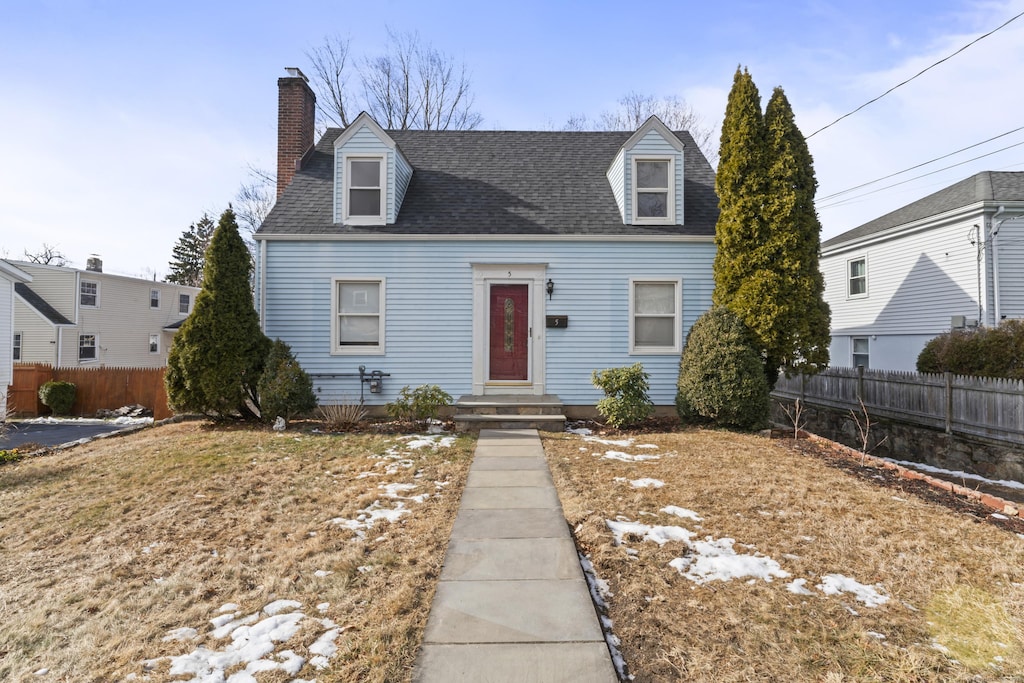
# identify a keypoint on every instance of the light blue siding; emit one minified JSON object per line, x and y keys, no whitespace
{"x":429,"y":317}
{"x":653,"y":144}
{"x":364,"y":141}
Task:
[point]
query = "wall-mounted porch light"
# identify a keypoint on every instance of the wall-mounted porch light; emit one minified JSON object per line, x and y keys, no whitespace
{"x":550,"y":288}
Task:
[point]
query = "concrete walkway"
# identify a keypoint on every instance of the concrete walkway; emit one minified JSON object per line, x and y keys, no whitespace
{"x":512,"y":604}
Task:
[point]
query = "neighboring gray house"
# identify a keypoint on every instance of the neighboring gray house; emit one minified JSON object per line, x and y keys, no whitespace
{"x":67,"y":317}
{"x":954,"y":259}
{"x":491,"y":263}
{"x":10,"y":278}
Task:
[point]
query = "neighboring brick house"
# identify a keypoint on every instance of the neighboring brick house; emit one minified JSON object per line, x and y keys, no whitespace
{"x":67,"y":317}
{"x":491,"y":263}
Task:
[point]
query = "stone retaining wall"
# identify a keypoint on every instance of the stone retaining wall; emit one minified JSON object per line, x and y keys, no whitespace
{"x":901,"y":441}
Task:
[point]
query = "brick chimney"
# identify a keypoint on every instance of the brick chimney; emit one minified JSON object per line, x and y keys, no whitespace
{"x":296,"y":112}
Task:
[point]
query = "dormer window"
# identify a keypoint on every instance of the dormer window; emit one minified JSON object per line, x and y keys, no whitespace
{"x":653,"y":190}
{"x":365,"y":190}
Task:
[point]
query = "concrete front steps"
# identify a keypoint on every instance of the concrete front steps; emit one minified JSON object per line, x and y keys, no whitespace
{"x":509,"y":411}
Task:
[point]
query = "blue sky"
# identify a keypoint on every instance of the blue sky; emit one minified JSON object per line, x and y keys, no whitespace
{"x":121,"y":122}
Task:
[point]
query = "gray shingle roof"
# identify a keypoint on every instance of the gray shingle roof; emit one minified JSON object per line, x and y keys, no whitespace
{"x":39,"y":303}
{"x":497,"y":182}
{"x":996,"y":186}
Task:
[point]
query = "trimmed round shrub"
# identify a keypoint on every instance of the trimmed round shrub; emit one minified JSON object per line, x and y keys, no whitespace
{"x":285,"y":389}
{"x":58,"y":397}
{"x":721,"y":374}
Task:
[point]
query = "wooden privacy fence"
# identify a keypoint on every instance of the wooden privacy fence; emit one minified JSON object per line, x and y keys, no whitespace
{"x":976,"y":406}
{"x":96,"y":388}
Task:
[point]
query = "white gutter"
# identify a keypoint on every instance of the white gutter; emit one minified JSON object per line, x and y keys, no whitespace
{"x":995,"y":264}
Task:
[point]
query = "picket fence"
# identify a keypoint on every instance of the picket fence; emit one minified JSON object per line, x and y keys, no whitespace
{"x":95,"y":388}
{"x":976,"y":406}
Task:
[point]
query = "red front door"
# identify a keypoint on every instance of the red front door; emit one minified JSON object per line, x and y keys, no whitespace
{"x":510,"y":332}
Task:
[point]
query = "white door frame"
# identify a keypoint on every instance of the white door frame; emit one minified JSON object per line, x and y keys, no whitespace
{"x":531,"y":274}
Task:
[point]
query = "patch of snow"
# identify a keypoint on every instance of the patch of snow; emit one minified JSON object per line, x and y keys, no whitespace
{"x":876,"y":635}
{"x":716,"y":560}
{"x":184,"y":633}
{"x":997,"y":515}
{"x":623,"y":443}
{"x":956,"y":473}
{"x":626,"y":457}
{"x":798,"y":587}
{"x":435,"y":441}
{"x":369,"y":516}
{"x":582,"y":431}
{"x":834,"y":584}
{"x":323,"y":607}
{"x":599,"y":592}
{"x":324,"y":645}
{"x":658,"y":534}
{"x":681,"y":512}
{"x":280,"y":606}
{"x":647,"y":483}
{"x":41,"y":672}
{"x":321,"y":573}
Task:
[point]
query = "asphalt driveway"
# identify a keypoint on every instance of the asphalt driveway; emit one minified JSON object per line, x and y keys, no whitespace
{"x":20,"y":433}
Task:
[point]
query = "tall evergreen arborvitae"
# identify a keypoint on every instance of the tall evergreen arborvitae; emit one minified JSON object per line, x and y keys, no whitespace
{"x":740,"y":184}
{"x":800,"y":335}
{"x":217,"y":356}
{"x":768,"y":234}
{"x":189,"y":253}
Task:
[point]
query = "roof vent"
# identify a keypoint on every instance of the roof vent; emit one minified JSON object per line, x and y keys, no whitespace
{"x":94,"y":263}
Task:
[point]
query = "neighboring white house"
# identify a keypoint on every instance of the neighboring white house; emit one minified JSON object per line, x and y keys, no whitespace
{"x":68,"y":317}
{"x":954,"y":259}
{"x":10,"y":276}
{"x":488,"y":262}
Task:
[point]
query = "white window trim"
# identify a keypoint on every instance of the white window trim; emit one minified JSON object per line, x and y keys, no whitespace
{"x":96,"y":345}
{"x":151,"y":293}
{"x":17,"y":345}
{"x":849,"y":277}
{"x":677,"y":316}
{"x":338,"y":350}
{"x":191,"y":301}
{"x":670,"y":217}
{"x":346,"y":186}
{"x":854,"y":354}
{"x":150,"y":344}
{"x":89,"y":282}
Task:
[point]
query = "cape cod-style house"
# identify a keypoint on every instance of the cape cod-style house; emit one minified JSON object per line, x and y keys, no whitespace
{"x":503,"y":266}
{"x":954,"y":259}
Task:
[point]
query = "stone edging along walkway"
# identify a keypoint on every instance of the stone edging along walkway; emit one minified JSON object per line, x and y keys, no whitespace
{"x":996,"y":503}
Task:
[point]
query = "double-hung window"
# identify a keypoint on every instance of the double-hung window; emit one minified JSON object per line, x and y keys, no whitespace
{"x":655,"y":313}
{"x":87,"y":347}
{"x":17,"y":346}
{"x":357,"y":325}
{"x":857,"y":271}
{"x":184,"y":301}
{"x":653,"y":196}
{"x":365,"y":195}
{"x":861,"y":351}
{"x":154,"y":298}
{"x":88,"y":293}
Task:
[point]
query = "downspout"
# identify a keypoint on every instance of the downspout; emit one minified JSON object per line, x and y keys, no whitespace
{"x":60,"y":343}
{"x":263,"y":285}
{"x":995,"y":264}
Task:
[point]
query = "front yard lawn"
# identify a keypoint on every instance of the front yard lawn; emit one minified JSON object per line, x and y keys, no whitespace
{"x":188,"y":551}
{"x":727,"y":557}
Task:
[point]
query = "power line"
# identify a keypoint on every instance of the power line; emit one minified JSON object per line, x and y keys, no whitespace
{"x":923,"y":175}
{"x":911,"y":168}
{"x":922,"y":71}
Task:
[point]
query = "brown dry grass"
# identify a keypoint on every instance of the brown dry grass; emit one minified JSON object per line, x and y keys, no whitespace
{"x":952,"y":580}
{"x":108,"y":547}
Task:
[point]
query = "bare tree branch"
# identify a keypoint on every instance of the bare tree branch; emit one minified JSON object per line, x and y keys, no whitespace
{"x":48,"y":255}
{"x":330,"y":79}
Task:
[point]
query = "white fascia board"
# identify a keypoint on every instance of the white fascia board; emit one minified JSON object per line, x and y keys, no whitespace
{"x":934,"y":221}
{"x":14,"y":273}
{"x":653,"y":123}
{"x":362,"y":237}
